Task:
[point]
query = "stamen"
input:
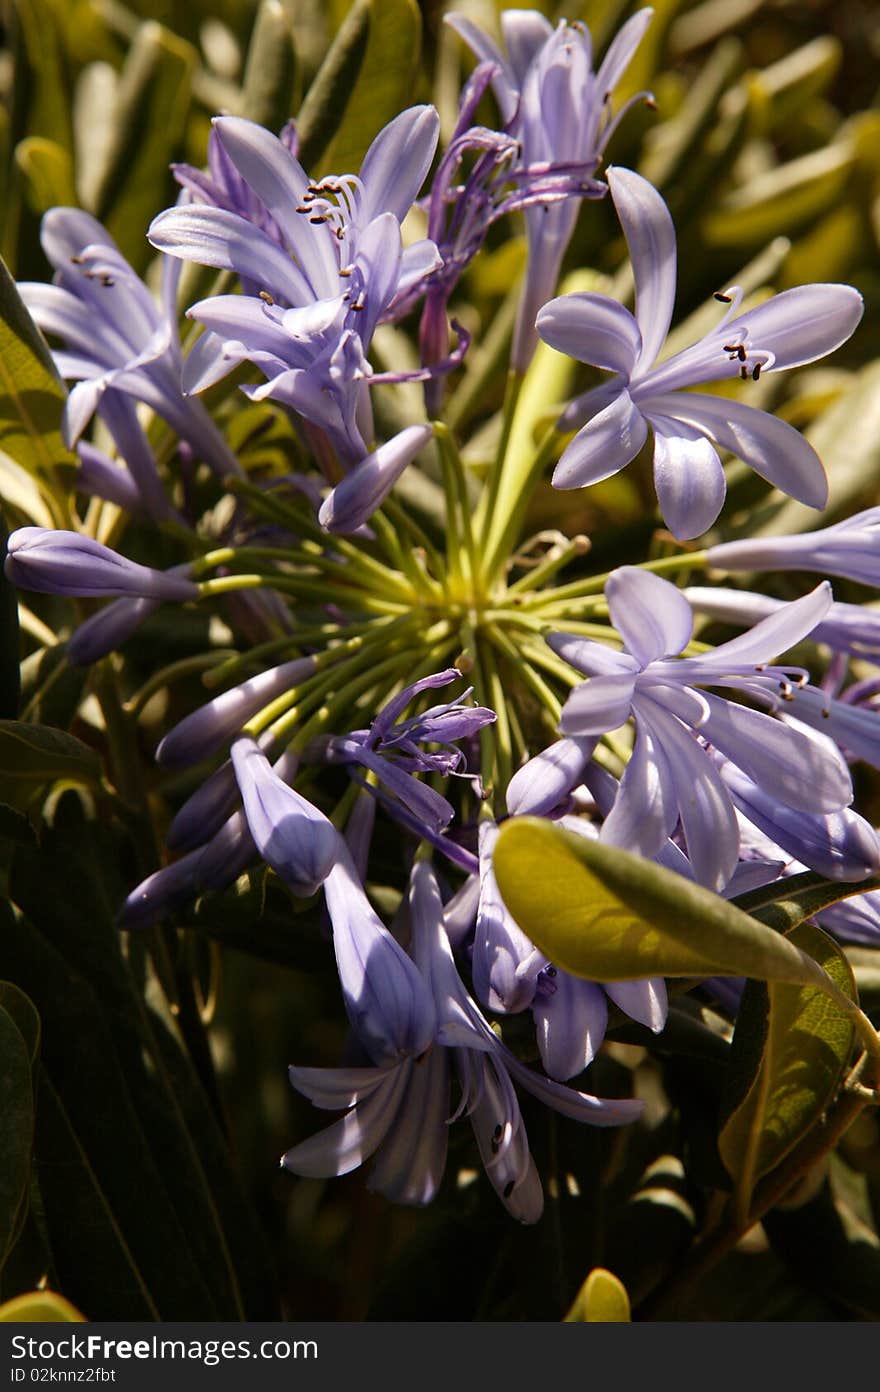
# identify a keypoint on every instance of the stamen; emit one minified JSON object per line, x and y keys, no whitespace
{"x":264,"y":295}
{"x":722,"y":298}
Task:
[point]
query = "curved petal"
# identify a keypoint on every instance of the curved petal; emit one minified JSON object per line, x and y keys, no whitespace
{"x":765,"y":641}
{"x":607,"y":443}
{"x":548,"y":778}
{"x":593,"y":329}
{"x":352,"y":1140}
{"x":769,"y":445}
{"x":650,"y":237}
{"x":651,"y":615}
{"x":505,"y":84}
{"x":409,"y":1163}
{"x":353,"y":500}
{"x":644,"y":1001}
{"x":800,"y":769}
{"x":569,"y":1024}
{"x":800,"y":325}
{"x":645,"y":809}
{"x":620,"y":51}
{"x":214,"y":237}
{"x":279,"y":181}
{"x":525,"y":32}
{"x":396,"y":163}
{"x":707,"y":815}
{"x":246,"y":319}
{"x":593,"y":659}
{"x":688,"y":478}
{"x":598,"y":705}
{"x":65,"y":231}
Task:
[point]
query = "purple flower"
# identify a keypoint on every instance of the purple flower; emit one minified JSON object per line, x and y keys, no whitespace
{"x":208,"y":728}
{"x":361,"y":492}
{"x":292,"y":836}
{"x":558,"y":108}
{"x":120,"y":347}
{"x":670,"y":777}
{"x":332,"y":268}
{"x":400,"y":1112}
{"x":69,"y":563}
{"x":850,"y":549}
{"x":392,"y":749}
{"x":787,"y":330}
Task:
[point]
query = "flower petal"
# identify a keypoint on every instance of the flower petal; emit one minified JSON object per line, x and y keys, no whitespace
{"x":620,"y":51}
{"x":593,"y":329}
{"x":396,"y":163}
{"x":645,"y":809}
{"x":607,"y":443}
{"x":525,"y":33}
{"x":651,"y":615}
{"x":569,"y":1024}
{"x":214,"y":237}
{"x":688,"y":478}
{"x":598,"y":705}
{"x":644,"y":1001}
{"x":548,"y":778}
{"x":801,"y":324}
{"x":771,"y":446}
{"x":353,"y":1139}
{"x":650,"y":237}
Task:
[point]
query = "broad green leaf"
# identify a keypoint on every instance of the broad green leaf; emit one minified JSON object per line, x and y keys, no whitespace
{"x":38,"y":754}
{"x":24,"y":1015}
{"x":271,"y":68}
{"x":47,"y":171}
{"x":17,"y":1132}
{"x":148,"y":121}
{"x":830,"y":1248}
{"x":40,"y":1307}
{"x":10,"y":672}
{"x":602,"y":1299}
{"x":789,"y":1050}
{"x":805,"y":73}
{"x":322,"y":111}
{"x":31,"y":393}
{"x":384,"y":83}
{"x":607,"y":915}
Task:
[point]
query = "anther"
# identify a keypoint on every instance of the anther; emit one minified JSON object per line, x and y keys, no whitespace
{"x":265,"y":296}
{"x":76,"y":260}
{"x":319,"y":218}
{"x":551,"y":971}
{"x":722,"y":298}
{"x":756,"y":372}
{"x":744,"y":373}
{"x":741,"y":352}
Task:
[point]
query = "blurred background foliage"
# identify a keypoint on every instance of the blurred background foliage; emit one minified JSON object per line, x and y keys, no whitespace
{"x":144,"y":1076}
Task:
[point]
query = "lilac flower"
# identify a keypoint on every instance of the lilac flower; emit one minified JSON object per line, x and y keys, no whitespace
{"x":855,"y":920}
{"x":361,"y":492}
{"x":209,"y":727}
{"x":850,"y":548}
{"x":670,"y":777}
{"x":400,"y":1113}
{"x":391,"y":749}
{"x":337,"y":270}
{"x":850,"y":628}
{"x":106,"y":630}
{"x":558,"y":109}
{"x":69,"y":563}
{"x":291,"y":835}
{"x":546,"y":780}
{"x":119,"y":347}
{"x":787,"y":330}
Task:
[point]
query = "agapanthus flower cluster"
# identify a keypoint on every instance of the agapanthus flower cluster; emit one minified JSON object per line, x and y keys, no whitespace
{"x":596,"y":704}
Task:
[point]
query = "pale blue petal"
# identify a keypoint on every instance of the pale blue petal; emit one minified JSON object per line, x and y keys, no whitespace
{"x":607,"y":443}
{"x":644,"y":1001}
{"x":801,"y":324}
{"x":569,"y":1025}
{"x":214,"y":237}
{"x":645,"y":810}
{"x":688,"y":477}
{"x":650,"y":614}
{"x":548,"y":778}
{"x":598,"y":705}
{"x":593,"y":329}
{"x":396,"y":163}
{"x":525,"y":32}
{"x":650,"y":237}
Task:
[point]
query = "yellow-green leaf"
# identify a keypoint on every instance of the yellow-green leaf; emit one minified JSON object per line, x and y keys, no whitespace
{"x":602,"y":1299}
{"x":788,"y":1054}
{"x":40,"y":754}
{"x":40,"y":1307}
{"x":32,"y":395}
{"x":607,"y":915}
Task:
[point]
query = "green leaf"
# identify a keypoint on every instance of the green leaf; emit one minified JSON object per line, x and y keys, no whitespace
{"x":31,"y":393}
{"x":43,"y":74}
{"x":782,"y":199}
{"x":602,"y":1299}
{"x":40,"y":1307}
{"x":17,"y":1110}
{"x":47,"y":171}
{"x":271,"y":68}
{"x":148,"y":123}
{"x":39,"y":754}
{"x":320,"y":115}
{"x":789,"y":1050}
{"x":607,"y":915}
{"x":10,"y":670}
{"x":384,"y":84}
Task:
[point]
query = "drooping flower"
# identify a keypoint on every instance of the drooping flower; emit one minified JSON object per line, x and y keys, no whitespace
{"x":400,"y":1113}
{"x":120,"y":347}
{"x":671,"y":777}
{"x":558,"y":109}
{"x":787,"y":330}
{"x":332,"y":268}
{"x":292,"y":835}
